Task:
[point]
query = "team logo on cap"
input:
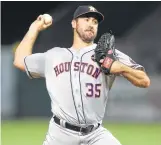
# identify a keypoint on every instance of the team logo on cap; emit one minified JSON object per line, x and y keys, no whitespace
{"x":92,"y":8}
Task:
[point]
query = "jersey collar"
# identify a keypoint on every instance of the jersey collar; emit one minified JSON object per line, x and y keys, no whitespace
{"x":84,"y":49}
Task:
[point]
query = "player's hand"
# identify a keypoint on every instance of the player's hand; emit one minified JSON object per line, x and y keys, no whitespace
{"x":39,"y":24}
{"x":104,"y":52}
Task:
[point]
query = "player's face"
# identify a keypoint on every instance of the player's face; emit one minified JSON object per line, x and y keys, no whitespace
{"x":86,"y":28}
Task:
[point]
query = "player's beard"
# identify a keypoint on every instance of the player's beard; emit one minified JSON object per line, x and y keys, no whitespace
{"x":84,"y":35}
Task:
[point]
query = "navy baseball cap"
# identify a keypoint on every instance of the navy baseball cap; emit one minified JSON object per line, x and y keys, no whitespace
{"x":88,"y":11}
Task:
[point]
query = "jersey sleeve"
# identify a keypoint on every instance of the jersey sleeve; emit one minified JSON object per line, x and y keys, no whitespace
{"x":35,"y":65}
{"x":125,"y":59}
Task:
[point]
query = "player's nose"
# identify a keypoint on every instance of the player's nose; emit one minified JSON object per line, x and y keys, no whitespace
{"x":91,"y":24}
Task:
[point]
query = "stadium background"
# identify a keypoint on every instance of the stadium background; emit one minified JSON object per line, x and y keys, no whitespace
{"x":133,"y":114}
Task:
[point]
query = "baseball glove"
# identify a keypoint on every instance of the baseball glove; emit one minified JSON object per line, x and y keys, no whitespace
{"x":105,"y":51}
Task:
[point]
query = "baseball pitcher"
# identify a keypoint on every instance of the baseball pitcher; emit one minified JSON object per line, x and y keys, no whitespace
{"x":79,"y":78}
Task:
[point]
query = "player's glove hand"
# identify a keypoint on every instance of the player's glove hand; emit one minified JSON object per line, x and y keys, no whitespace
{"x":105,"y":52}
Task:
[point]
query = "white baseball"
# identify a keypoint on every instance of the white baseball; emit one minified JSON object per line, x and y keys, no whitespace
{"x":48,"y":18}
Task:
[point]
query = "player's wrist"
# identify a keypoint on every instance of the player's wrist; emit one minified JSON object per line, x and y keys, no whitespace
{"x":33,"y":31}
{"x":117,"y":68}
{"x":34,"y":28}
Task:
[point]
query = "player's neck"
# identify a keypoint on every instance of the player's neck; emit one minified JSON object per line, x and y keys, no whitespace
{"x":78,"y":43}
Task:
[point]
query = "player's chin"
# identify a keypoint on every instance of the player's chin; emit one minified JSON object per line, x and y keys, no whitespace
{"x":90,"y":34}
{"x":89,"y":39}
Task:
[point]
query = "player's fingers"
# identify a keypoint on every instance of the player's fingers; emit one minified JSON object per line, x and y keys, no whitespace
{"x":40,"y":18}
{"x":48,"y":24}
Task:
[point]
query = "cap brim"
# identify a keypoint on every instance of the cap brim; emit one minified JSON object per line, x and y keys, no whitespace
{"x":99,"y":16}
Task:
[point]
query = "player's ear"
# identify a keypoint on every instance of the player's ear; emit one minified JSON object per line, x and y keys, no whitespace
{"x":73,"y":24}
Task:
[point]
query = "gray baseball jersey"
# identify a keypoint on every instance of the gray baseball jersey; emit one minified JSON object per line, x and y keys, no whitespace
{"x":77,"y":87}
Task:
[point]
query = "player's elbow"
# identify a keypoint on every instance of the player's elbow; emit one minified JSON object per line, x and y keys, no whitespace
{"x":145,"y":82}
{"x":19,"y":65}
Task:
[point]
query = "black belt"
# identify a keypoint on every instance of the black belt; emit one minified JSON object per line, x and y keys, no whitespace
{"x":84,"y":130}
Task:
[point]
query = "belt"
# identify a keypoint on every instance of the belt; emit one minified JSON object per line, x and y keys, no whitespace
{"x":84,"y":130}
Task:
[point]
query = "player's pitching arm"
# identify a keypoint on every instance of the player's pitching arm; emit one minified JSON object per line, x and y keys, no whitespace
{"x":137,"y":77}
{"x":26,"y":45}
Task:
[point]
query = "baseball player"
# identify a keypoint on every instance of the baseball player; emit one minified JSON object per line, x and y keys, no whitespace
{"x":78,"y":79}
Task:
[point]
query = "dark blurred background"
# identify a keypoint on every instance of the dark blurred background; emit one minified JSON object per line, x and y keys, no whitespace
{"x":137,"y":28}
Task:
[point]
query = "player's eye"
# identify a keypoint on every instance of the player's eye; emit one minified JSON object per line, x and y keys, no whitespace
{"x":95,"y":22}
{"x":86,"y":19}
